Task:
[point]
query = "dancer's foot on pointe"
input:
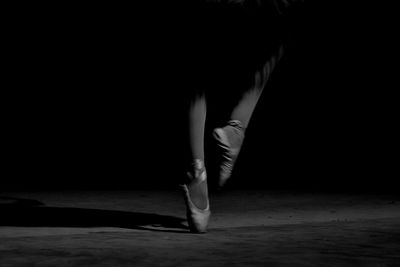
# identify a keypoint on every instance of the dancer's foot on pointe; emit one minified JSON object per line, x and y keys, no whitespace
{"x":196,"y":198}
{"x":229,"y":139}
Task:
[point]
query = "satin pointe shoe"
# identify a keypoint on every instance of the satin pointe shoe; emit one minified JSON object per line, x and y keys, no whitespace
{"x":229,"y":140}
{"x":197,"y":217}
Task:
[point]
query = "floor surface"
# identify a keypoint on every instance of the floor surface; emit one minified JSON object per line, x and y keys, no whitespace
{"x":247,"y":228}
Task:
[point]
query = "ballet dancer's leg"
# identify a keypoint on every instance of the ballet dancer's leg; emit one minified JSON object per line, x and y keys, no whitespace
{"x":195,"y":188}
{"x":197,"y":119}
{"x":248,"y":102}
{"x":230,"y":138}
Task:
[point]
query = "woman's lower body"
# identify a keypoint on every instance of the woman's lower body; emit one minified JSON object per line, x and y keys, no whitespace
{"x":231,"y":59}
{"x":229,"y":136}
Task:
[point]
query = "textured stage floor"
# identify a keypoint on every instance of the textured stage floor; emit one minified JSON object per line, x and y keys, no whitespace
{"x":248,"y":228}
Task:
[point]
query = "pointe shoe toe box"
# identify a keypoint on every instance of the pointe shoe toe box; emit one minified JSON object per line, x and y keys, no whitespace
{"x":197,"y":218}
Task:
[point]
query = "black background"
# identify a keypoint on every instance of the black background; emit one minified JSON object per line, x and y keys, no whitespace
{"x":87,"y":105}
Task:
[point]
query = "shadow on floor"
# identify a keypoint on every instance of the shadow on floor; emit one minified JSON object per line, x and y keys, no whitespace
{"x":33,"y":213}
